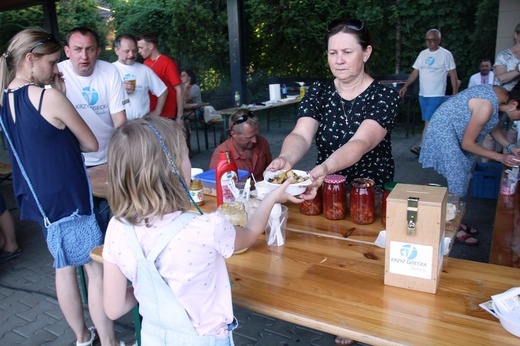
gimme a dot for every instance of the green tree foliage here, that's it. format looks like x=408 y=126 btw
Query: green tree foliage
x=71 y=13
x=284 y=38
x=15 y=21
x=193 y=32
x=74 y=13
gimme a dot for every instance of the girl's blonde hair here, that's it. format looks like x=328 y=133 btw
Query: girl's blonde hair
x=141 y=182
x=35 y=41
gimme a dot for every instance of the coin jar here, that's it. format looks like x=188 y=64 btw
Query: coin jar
x=387 y=188
x=196 y=191
x=235 y=212
x=362 y=201
x=313 y=206
x=334 y=197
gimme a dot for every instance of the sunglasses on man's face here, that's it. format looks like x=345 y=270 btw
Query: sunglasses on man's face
x=242 y=119
x=352 y=23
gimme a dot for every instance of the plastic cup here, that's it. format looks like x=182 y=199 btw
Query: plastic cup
x=262 y=189
x=132 y=82
x=282 y=220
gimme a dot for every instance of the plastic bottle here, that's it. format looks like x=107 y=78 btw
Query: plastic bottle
x=238 y=102
x=284 y=91
x=302 y=89
x=225 y=172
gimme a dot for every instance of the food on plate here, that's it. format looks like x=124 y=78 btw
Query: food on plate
x=282 y=176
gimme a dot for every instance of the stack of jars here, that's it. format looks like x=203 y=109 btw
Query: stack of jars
x=332 y=200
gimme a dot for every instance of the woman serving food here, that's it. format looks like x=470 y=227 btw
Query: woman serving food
x=351 y=117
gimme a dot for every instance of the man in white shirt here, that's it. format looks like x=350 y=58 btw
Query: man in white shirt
x=485 y=76
x=138 y=79
x=95 y=89
x=432 y=67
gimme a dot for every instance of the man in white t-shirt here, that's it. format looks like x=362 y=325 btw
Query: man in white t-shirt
x=138 y=79
x=485 y=76
x=432 y=67
x=94 y=87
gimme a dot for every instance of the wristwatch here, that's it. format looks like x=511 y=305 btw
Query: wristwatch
x=182 y=117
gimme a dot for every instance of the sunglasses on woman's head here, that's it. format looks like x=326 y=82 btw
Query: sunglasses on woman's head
x=352 y=23
x=42 y=42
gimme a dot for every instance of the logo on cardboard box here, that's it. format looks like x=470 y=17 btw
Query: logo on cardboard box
x=411 y=259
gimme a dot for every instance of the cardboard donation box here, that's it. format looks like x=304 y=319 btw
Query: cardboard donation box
x=415 y=227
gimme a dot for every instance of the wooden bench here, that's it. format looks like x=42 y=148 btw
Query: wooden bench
x=505 y=243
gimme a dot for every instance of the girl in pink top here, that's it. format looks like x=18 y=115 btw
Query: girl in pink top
x=174 y=259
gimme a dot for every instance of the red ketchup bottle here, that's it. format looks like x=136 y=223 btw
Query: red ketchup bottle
x=225 y=172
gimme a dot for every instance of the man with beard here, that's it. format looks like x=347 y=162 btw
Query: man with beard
x=138 y=79
x=250 y=151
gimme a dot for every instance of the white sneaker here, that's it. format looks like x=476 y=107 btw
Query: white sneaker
x=93 y=337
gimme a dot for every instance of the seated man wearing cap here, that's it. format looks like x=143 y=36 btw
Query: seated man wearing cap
x=250 y=151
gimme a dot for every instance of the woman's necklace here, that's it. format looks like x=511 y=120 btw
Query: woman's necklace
x=353 y=101
x=350 y=110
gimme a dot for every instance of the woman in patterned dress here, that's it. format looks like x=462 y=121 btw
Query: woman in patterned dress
x=351 y=117
x=507 y=74
x=458 y=126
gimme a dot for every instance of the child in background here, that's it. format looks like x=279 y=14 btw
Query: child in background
x=174 y=259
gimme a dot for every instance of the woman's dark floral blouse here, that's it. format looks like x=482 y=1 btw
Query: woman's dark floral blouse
x=339 y=120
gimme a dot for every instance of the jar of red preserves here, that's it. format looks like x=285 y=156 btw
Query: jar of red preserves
x=387 y=188
x=334 y=197
x=362 y=201
x=313 y=206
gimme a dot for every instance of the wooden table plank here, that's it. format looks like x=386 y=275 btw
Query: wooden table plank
x=336 y=285
x=505 y=243
x=98 y=177
x=333 y=286
x=316 y=224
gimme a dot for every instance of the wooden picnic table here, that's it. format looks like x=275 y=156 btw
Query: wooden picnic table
x=321 y=280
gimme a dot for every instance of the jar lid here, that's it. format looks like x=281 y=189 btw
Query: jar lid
x=389 y=185
x=362 y=182
x=335 y=179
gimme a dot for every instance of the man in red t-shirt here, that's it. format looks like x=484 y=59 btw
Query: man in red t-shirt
x=167 y=70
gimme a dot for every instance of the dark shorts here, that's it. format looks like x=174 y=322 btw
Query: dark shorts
x=3 y=207
x=429 y=105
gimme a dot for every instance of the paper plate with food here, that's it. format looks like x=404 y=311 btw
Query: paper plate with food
x=301 y=180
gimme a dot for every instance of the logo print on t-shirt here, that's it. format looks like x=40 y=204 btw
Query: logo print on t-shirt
x=91 y=96
x=430 y=61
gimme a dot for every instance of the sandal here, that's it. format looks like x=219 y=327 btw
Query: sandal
x=93 y=337
x=344 y=341
x=465 y=238
x=416 y=150
x=466 y=227
x=6 y=255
